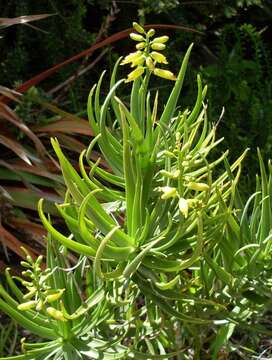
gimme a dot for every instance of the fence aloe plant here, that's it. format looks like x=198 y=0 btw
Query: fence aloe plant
x=163 y=240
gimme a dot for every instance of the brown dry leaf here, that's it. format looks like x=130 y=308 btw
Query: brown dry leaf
x=5 y=22
x=11 y=94
x=14 y=146
x=68 y=126
x=35 y=231
x=8 y=114
x=36 y=170
x=57 y=110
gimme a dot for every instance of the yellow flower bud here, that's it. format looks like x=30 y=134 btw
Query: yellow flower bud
x=27 y=305
x=149 y=63
x=27 y=284
x=56 y=314
x=168 y=153
x=30 y=294
x=161 y=39
x=158 y=46
x=39 y=305
x=133 y=75
x=176 y=174
x=198 y=186
x=171 y=175
x=25 y=264
x=131 y=57
x=166 y=74
x=168 y=192
x=55 y=296
x=141 y=45
x=150 y=33
x=138 y=61
x=39 y=259
x=178 y=136
x=138 y=28
x=22 y=341
x=136 y=37
x=159 y=57
x=183 y=207
x=194 y=203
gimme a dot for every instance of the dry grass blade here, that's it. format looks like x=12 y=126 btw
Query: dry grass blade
x=33 y=230
x=30 y=172
x=56 y=110
x=6 y=22
x=16 y=148
x=12 y=94
x=8 y=114
x=66 y=126
x=43 y=171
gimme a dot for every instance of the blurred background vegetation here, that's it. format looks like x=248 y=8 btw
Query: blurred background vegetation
x=232 y=53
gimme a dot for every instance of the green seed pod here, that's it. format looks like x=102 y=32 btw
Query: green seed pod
x=55 y=314
x=166 y=74
x=138 y=28
x=136 y=37
x=27 y=305
x=158 y=46
x=161 y=39
x=198 y=186
x=141 y=45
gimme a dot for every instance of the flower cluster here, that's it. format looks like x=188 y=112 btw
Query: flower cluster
x=39 y=294
x=184 y=205
x=147 y=55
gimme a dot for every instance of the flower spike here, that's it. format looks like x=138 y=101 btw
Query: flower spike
x=144 y=59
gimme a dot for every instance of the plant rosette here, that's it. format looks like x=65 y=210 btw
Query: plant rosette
x=150 y=233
